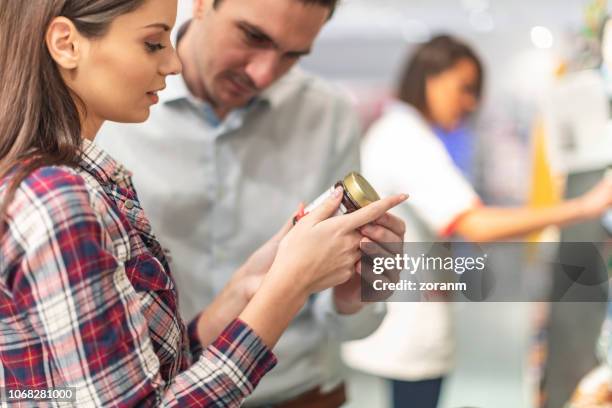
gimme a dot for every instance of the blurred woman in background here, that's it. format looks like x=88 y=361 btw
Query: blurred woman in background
x=441 y=86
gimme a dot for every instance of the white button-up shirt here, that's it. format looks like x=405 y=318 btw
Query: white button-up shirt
x=215 y=190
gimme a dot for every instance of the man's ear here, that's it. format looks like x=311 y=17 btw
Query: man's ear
x=63 y=43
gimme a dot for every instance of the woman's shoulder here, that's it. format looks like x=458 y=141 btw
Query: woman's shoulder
x=55 y=194
x=401 y=128
x=48 y=178
x=400 y=120
x=54 y=183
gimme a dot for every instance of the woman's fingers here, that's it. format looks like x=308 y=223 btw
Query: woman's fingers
x=382 y=235
x=391 y=223
x=284 y=230
x=326 y=209
x=374 y=250
x=371 y=212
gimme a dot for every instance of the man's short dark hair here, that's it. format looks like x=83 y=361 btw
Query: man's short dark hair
x=331 y=4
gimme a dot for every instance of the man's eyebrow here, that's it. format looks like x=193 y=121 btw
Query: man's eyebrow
x=256 y=31
x=265 y=37
x=298 y=54
x=163 y=26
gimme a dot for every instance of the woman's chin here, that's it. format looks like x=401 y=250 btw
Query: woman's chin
x=447 y=127
x=137 y=116
x=451 y=125
x=144 y=116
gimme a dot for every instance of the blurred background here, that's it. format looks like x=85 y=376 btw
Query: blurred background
x=543 y=65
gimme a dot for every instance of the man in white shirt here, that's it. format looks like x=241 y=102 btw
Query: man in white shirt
x=226 y=157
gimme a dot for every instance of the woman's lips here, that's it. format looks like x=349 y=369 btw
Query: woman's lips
x=153 y=96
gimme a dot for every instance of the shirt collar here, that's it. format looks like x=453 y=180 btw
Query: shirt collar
x=177 y=90
x=402 y=106
x=101 y=165
x=234 y=118
x=276 y=94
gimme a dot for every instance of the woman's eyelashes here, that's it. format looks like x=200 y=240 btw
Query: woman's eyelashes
x=153 y=47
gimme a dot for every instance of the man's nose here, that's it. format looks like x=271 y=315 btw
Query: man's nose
x=263 y=69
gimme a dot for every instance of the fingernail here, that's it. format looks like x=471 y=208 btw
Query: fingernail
x=337 y=192
x=404 y=197
x=300 y=209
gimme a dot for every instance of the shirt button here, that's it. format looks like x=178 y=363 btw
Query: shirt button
x=116 y=175
x=129 y=204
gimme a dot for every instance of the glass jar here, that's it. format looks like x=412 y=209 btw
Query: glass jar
x=357 y=193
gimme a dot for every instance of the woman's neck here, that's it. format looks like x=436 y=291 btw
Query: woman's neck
x=90 y=125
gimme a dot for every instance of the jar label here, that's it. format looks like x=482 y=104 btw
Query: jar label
x=320 y=200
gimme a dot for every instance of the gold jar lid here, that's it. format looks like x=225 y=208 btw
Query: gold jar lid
x=359 y=189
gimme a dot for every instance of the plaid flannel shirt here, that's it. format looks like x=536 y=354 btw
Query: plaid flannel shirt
x=87 y=301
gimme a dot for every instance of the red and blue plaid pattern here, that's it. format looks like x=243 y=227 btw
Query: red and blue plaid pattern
x=86 y=300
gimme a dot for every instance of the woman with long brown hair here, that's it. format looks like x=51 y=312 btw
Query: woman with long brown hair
x=87 y=302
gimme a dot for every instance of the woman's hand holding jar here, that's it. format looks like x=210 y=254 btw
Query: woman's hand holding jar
x=318 y=253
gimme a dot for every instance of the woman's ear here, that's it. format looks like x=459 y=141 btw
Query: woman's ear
x=63 y=42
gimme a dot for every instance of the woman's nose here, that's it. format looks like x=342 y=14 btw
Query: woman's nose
x=172 y=66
